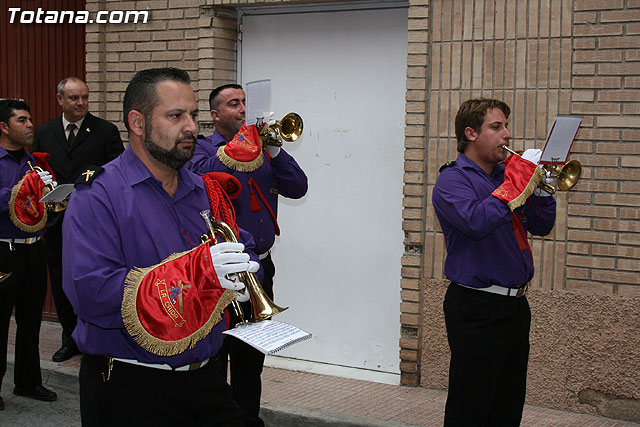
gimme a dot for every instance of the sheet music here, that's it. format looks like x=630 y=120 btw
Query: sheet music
x=59 y=193
x=268 y=336
x=560 y=140
x=258 y=100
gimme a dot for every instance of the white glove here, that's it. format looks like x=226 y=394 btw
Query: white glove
x=228 y=259
x=549 y=179
x=253 y=267
x=273 y=151
x=47 y=178
x=268 y=118
x=533 y=155
x=244 y=296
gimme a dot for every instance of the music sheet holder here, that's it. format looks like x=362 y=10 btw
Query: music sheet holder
x=560 y=139
x=59 y=193
x=258 y=101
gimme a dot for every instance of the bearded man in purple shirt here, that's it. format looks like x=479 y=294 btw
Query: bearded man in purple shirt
x=149 y=297
x=273 y=173
x=485 y=210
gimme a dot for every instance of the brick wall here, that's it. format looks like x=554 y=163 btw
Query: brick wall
x=414 y=265
x=603 y=254
x=575 y=57
x=171 y=37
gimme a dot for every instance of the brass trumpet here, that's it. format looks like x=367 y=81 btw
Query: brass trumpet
x=4 y=276
x=567 y=176
x=263 y=307
x=51 y=206
x=288 y=129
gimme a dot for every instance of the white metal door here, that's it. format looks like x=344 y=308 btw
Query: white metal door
x=338 y=258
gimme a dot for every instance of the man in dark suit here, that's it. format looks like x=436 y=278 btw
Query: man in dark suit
x=75 y=140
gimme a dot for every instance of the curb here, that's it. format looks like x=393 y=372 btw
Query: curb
x=276 y=415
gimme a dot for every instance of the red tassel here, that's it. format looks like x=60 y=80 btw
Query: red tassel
x=255 y=205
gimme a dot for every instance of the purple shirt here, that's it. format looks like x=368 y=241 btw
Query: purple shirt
x=282 y=175
x=11 y=172
x=482 y=249
x=125 y=219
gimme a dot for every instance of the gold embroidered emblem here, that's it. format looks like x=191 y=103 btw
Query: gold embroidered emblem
x=29 y=206
x=501 y=191
x=179 y=290
x=244 y=142
x=88 y=174
x=169 y=308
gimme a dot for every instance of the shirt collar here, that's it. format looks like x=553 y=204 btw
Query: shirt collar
x=464 y=162
x=137 y=172
x=66 y=123
x=5 y=152
x=218 y=139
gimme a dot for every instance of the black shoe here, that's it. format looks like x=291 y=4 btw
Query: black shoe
x=66 y=352
x=1 y=404
x=38 y=392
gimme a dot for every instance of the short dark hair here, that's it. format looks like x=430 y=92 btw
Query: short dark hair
x=7 y=107
x=141 y=92
x=471 y=114
x=213 y=102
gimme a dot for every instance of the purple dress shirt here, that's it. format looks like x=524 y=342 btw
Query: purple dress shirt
x=280 y=176
x=10 y=173
x=482 y=249
x=125 y=219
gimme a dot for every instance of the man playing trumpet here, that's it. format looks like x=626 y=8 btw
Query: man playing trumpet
x=265 y=174
x=485 y=210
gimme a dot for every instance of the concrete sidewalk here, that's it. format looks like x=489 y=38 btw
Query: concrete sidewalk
x=289 y=399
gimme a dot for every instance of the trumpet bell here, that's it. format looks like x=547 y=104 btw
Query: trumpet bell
x=4 y=276
x=291 y=127
x=263 y=308
x=569 y=175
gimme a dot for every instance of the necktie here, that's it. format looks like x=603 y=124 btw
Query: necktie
x=72 y=136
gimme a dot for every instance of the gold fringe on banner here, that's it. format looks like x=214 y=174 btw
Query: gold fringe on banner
x=12 y=210
x=537 y=176
x=237 y=165
x=143 y=337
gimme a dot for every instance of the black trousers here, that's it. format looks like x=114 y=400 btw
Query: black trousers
x=140 y=396
x=25 y=290
x=489 y=340
x=64 y=309
x=246 y=363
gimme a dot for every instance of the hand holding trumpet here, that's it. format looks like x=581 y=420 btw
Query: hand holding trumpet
x=566 y=177
x=47 y=179
x=229 y=259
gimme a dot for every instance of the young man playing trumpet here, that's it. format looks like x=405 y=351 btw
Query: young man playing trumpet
x=485 y=210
